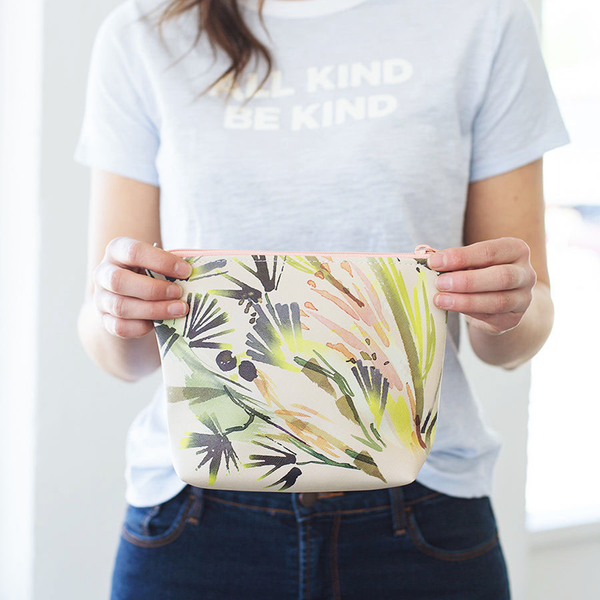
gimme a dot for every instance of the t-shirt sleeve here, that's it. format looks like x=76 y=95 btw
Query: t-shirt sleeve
x=117 y=133
x=518 y=118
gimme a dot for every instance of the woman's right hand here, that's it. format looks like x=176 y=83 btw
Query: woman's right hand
x=128 y=299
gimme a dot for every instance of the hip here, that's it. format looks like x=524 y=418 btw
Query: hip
x=408 y=540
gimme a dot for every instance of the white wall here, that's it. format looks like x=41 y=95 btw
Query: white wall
x=83 y=413
x=62 y=420
x=20 y=63
x=566 y=567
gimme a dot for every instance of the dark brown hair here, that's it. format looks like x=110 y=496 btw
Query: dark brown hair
x=226 y=29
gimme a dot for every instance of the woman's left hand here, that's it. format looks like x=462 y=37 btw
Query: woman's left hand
x=491 y=282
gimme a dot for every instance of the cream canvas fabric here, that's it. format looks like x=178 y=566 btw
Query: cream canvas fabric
x=298 y=372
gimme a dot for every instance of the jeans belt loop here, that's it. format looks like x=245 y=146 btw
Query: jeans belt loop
x=197 y=506
x=398 y=510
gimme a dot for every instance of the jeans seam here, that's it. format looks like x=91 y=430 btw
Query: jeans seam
x=265 y=508
x=306 y=578
x=309 y=515
x=416 y=500
x=147 y=517
x=440 y=554
x=335 y=577
x=299 y=527
x=196 y=509
x=349 y=511
x=343 y=511
x=176 y=530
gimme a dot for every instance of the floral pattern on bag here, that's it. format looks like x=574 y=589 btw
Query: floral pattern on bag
x=303 y=372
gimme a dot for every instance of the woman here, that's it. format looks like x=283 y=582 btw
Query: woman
x=341 y=125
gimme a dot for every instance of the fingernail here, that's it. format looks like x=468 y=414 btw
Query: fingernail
x=174 y=291
x=444 y=301
x=444 y=282
x=177 y=308
x=437 y=260
x=184 y=269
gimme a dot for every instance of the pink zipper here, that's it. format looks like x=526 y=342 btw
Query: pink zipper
x=420 y=251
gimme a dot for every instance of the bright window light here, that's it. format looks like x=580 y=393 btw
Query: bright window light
x=563 y=485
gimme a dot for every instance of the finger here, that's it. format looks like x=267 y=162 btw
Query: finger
x=126 y=328
x=480 y=254
x=129 y=252
x=485 y=302
x=496 y=277
x=480 y=316
x=494 y=324
x=127 y=283
x=125 y=307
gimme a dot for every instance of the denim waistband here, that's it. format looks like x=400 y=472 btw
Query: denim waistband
x=394 y=499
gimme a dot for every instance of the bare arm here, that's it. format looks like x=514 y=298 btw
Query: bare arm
x=507 y=304
x=114 y=323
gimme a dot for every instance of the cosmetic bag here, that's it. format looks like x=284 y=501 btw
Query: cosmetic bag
x=303 y=371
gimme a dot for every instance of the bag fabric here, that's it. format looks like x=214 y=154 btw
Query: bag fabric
x=298 y=372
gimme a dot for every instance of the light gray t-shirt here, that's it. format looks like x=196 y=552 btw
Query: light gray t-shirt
x=375 y=119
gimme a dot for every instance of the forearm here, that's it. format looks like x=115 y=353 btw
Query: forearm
x=129 y=359
x=516 y=346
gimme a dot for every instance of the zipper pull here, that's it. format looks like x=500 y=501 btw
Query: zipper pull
x=424 y=249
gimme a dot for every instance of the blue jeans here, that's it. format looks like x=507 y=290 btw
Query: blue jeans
x=404 y=542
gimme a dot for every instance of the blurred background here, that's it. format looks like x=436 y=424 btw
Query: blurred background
x=63 y=420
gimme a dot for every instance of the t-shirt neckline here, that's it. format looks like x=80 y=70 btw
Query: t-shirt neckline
x=298 y=9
